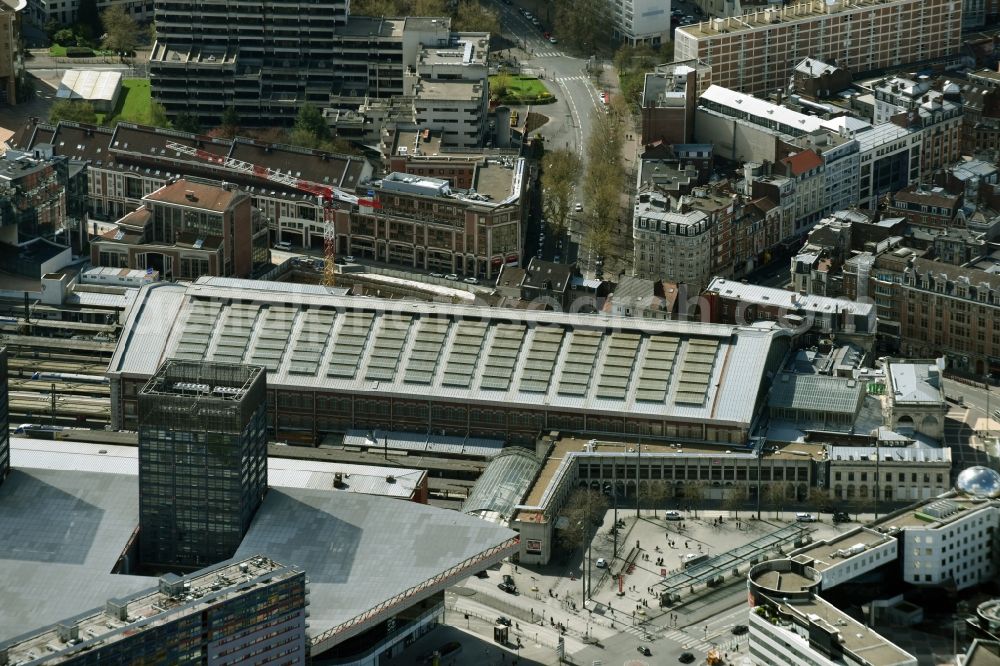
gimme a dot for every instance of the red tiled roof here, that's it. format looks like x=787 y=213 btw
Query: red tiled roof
x=800 y=163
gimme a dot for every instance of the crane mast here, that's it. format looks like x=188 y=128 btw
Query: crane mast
x=326 y=194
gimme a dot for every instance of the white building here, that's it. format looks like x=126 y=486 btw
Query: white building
x=950 y=542
x=642 y=21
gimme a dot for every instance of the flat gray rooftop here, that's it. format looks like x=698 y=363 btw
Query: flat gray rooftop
x=366 y=557
x=60 y=536
x=360 y=552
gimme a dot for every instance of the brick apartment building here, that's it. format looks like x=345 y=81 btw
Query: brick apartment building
x=669 y=97
x=931 y=209
x=755 y=53
x=186 y=230
x=926 y=308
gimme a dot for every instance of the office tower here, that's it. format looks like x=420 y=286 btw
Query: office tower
x=202 y=460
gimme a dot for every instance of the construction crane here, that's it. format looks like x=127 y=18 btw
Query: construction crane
x=327 y=195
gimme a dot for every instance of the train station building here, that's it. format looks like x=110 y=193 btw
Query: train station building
x=336 y=363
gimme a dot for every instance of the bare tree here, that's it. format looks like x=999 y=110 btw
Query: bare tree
x=736 y=499
x=581 y=504
x=560 y=170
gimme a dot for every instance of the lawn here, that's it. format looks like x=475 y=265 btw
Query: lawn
x=522 y=89
x=135 y=100
x=57 y=51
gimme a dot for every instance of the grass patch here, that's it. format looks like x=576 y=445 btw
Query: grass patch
x=57 y=51
x=522 y=89
x=135 y=100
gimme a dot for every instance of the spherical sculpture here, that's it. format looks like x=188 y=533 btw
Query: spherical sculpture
x=979 y=482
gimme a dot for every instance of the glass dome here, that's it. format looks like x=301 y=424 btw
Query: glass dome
x=979 y=482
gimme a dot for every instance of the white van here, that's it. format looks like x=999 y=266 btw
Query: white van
x=283 y=245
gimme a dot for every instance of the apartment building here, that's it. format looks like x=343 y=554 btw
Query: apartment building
x=266 y=65
x=669 y=98
x=248 y=609
x=930 y=209
x=187 y=229
x=841 y=157
x=4 y=417
x=808 y=172
x=929 y=308
x=641 y=22
x=681 y=239
x=755 y=53
x=937 y=112
x=981 y=118
x=11 y=61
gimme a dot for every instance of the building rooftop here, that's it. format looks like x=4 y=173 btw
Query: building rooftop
x=816 y=393
x=857 y=639
x=789 y=300
x=63 y=530
x=93 y=85
x=759 y=111
x=833 y=552
x=912 y=382
x=173 y=598
x=877 y=136
x=814 y=67
x=903 y=454
x=603 y=365
x=789 y=14
x=192 y=194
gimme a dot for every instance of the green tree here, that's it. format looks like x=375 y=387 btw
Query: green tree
x=157 y=116
x=471 y=16
x=64 y=37
x=186 y=122
x=230 y=124
x=75 y=111
x=575 y=528
x=121 y=33
x=583 y=24
x=310 y=121
x=560 y=170
x=500 y=84
x=736 y=499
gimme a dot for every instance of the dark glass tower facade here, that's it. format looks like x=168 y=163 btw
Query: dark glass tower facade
x=202 y=461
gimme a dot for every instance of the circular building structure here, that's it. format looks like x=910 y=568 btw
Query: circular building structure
x=981 y=482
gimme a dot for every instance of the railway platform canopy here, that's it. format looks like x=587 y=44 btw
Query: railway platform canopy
x=457 y=369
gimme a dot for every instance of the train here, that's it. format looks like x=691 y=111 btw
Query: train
x=70 y=377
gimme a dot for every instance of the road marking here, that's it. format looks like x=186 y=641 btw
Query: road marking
x=581 y=77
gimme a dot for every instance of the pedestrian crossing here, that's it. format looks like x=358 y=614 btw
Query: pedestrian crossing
x=687 y=641
x=547 y=54
x=581 y=77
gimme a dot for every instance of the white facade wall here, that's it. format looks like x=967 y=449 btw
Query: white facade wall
x=772 y=645
x=642 y=21
x=962 y=550
x=848 y=568
x=843 y=176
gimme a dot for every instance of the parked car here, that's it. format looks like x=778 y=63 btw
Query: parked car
x=579 y=206
x=739 y=629
x=509 y=589
x=672 y=515
x=437 y=275
x=505 y=621
x=686 y=658
x=841 y=517
x=535 y=21
x=470 y=280
x=482 y=574
x=805 y=518
x=644 y=651
x=349 y=258
x=283 y=245
x=451 y=276
x=508 y=579
x=601 y=563
x=553 y=40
